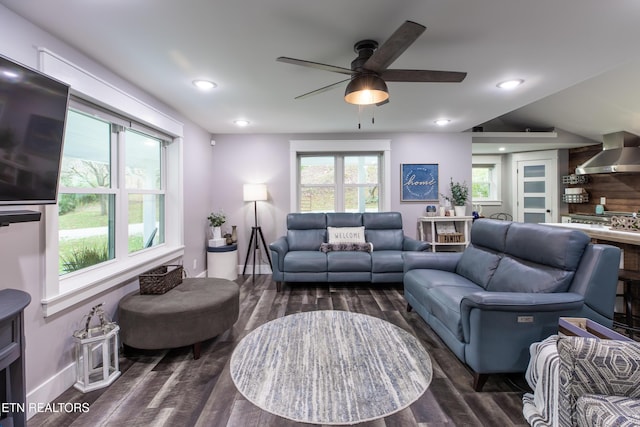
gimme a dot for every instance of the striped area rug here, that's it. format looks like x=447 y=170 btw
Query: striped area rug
x=330 y=367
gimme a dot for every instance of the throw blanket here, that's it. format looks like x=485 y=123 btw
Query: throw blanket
x=360 y=247
x=541 y=408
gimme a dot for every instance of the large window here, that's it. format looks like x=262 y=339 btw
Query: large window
x=337 y=182
x=120 y=202
x=111 y=190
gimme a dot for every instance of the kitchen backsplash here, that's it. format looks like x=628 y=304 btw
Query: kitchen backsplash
x=622 y=190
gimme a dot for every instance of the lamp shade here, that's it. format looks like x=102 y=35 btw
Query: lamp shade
x=254 y=192
x=366 y=89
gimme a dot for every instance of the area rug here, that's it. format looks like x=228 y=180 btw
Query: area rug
x=330 y=367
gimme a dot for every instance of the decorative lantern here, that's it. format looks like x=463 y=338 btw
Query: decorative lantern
x=97 y=363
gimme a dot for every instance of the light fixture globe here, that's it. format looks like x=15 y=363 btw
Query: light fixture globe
x=366 y=89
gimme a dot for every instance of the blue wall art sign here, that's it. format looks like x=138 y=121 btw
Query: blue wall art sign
x=419 y=182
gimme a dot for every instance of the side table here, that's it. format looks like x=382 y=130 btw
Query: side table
x=12 y=378
x=222 y=262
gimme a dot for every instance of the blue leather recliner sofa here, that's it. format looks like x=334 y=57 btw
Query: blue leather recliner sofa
x=297 y=256
x=508 y=289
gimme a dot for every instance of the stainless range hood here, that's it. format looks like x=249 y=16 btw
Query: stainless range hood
x=621 y=153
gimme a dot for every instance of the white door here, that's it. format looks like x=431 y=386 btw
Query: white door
x=535 y=197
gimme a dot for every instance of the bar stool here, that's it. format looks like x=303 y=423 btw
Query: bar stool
x=630 y=278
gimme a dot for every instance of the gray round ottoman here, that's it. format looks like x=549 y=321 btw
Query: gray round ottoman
x=194 y=311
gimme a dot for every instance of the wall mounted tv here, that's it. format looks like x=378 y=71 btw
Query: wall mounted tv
x=33 y=111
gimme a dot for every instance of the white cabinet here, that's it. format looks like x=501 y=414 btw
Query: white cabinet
x=445 y=233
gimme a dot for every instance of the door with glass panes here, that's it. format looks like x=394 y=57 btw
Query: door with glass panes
x=534 y=196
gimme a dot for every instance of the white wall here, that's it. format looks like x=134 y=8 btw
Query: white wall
x=242 y=159
x=49 y=350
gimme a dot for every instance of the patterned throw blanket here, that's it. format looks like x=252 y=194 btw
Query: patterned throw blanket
x=359 y=247
x=541 y=408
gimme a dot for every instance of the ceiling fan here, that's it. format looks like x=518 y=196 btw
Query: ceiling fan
x=369 y=72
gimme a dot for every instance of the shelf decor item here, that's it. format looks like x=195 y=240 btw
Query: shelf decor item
x=96 y=369
x=216 y=219
x=160 y=279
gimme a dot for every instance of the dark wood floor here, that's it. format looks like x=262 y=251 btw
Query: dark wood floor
x=169 y=388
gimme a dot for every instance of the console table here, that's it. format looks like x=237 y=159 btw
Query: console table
x=445 y=232
x=12 y=379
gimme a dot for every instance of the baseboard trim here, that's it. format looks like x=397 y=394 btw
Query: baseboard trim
x=260 y=269
x=51 y=389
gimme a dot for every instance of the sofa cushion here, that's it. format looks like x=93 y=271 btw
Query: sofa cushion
x=552 y=246
x=518 y=275
x=344 y=219
x=478 y=265
x=490 y=233
x=305 y=261
x=348 y=261
x=384 y=240
x=382 y=220
x=444 y=302
x=306 y=221
x=421 y=282
x=305 y=240
x=386 y=261
x=345 y=234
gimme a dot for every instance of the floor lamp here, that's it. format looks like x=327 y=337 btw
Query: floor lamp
x=255 y=193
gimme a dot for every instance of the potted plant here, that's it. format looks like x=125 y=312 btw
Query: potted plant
x=459 y=196
x=216 y=219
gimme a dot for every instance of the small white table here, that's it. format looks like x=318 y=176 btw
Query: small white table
x=431 y=229
x=222 y=262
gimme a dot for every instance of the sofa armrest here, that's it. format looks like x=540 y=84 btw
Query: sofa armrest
x=614 y=362
x=410 y=244
x=526 y=302
x=279 y=248
x=446 y=261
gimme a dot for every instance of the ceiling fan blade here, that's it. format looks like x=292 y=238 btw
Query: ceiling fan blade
x=423 y=76
x=322 y=89
x=316 y=65
x=391 y=49
x=381 y=103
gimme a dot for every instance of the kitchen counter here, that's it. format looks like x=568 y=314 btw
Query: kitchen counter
x=600 y=232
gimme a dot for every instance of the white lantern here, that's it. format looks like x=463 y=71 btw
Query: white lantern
x=97 y=363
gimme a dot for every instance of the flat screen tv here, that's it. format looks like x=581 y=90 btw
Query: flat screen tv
x=33 y=111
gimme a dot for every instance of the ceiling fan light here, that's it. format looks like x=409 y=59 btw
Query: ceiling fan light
x=366 y=89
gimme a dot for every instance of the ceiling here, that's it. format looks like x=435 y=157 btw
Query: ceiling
x=578 y=59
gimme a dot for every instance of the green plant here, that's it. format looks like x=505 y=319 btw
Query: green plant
x=459 y=193
x=84 y=257
x=216 y=219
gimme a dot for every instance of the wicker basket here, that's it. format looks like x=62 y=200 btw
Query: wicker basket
x=161 y=279
x=451 y=238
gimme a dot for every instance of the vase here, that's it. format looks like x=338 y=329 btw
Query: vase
x=460 y=210
x=216 y=233
x=234 y=234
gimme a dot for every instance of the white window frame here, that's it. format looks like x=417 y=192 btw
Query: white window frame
x=495 y=163
x=62 y=292
x=319 y=147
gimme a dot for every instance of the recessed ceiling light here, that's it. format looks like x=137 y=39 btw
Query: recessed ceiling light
x=501 y=148
x=204 y=84
x=241 y=123
x=442 y=122
x=510 y=84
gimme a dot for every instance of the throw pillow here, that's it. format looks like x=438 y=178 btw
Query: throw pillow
x=359 y=247
x=345 y=234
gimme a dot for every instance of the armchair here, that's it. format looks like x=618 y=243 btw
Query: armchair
x=580 y=381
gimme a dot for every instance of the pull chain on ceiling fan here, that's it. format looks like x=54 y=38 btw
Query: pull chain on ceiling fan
x=369 y=71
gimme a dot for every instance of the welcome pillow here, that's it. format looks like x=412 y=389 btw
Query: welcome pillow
x=345 y=234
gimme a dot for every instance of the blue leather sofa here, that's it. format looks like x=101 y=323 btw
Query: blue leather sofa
x=297 y=256
x=508 y=289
